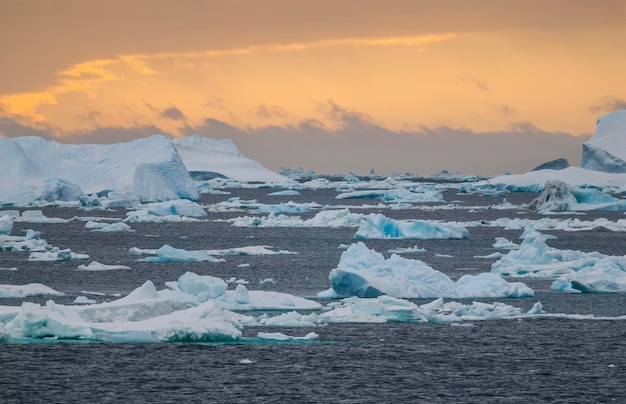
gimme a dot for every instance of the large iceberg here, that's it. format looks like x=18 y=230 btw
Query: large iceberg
x=606 y=151
x=207 y=158
x=362 y=272
x=149 y=169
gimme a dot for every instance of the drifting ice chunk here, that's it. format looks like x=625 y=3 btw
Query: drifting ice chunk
x=378 y=226
x=363 y=272
x=96 y=266
x=388 y=309
x=6 y=224
x=170 y=254
x=605 y=275
x=113 y=228
x=61 y=255
x=32 y=289
x=557 y=196
x=536 y=258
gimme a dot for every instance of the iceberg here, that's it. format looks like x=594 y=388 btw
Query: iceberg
x=96 y=266
x=423 y=194
x=557 y=196
x=170 y=254
x=606 y=275
x=149 y=169
x=31 y=289
x=362 y=272
x=6 y=224
x=606 y=150
x=535 y=258
x=325 y=218
x=385 y=309
x=378 y=226
x=58 y=255
x=207 y=158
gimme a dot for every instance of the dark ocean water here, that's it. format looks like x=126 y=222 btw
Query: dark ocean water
x=540 y=360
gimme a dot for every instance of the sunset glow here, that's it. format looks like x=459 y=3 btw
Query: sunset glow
x=387 y=66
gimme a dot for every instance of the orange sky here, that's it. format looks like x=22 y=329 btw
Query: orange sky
x=72 y=69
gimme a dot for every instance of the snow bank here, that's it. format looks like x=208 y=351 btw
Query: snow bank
x=606 y=150
x=363 y=272
x=220 y=156
x=378 y=226
x=148 y=169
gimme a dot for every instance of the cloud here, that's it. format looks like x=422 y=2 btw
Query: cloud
x=270 y=111
x=479 y=84
x=173 y=113
x=11 y=127
x=503 y=108
x=360 y=145
x=608 y=104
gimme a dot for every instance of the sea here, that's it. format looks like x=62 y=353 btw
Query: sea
x=556 y=360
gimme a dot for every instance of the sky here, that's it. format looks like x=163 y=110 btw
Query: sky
x=470 y=86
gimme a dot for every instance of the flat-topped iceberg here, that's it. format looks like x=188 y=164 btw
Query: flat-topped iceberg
x=363 y=272
x=206 y=158
x=149 y=169
x=606 y=150
x=379 y=226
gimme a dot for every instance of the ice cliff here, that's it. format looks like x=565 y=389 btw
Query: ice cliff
x=206 y=158
x=606 y=151
x=148 y=169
